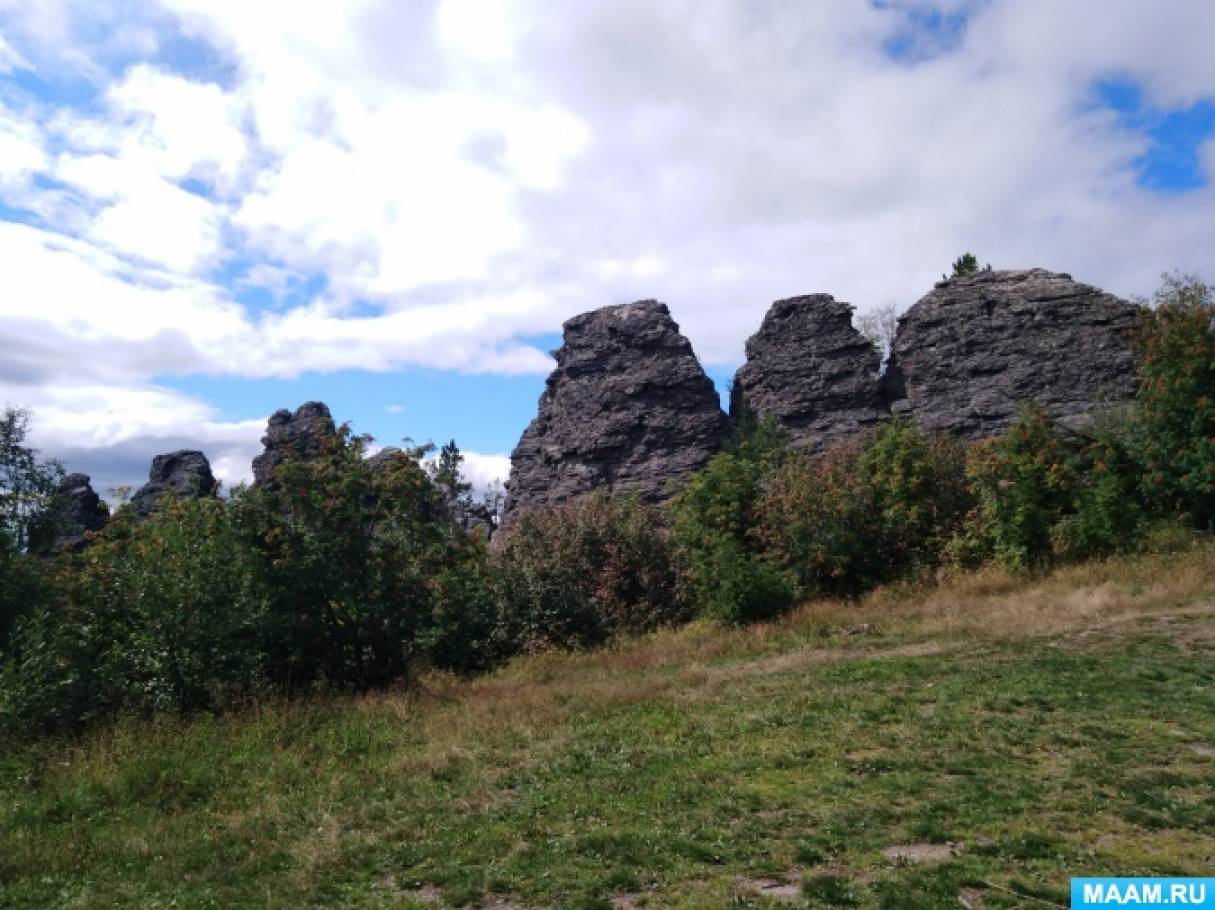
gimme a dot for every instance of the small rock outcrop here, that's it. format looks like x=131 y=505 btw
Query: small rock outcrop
x=808 y=368
x=971 y=350
x=302 y=433
x=74 y=509
x=186 y=472
x=628 y=407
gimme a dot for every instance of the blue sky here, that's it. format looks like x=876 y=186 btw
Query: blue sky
x=210 y=209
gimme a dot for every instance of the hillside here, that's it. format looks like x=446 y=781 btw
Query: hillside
x=975 y=745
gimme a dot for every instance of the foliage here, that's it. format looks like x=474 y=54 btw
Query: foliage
x=24 y=587
x=865 y=511
x=1176 y=344
x=712 y=522
x=1105 y=515
x=965 y=265
x=879 y=327
x=348 y=550
x=160 y=616
x=820 y=522
x=579 y=573
x=465 y=631
x=445 y=472
x=26 y=481
x=919 y=483
x=1023 y=484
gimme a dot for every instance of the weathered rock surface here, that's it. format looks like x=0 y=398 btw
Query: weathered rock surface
x=74 y=509
x=973 y=348
x=302 y=433
x=627 y=407
x=808 y=368
x=186 y=472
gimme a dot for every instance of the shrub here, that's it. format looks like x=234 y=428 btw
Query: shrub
x=1176 y=344
x=919 y=484
x=1023 y=482
x=865 y=511
x=712 y=521
x=576 y=574
x=162 y=616
x=464 y=630
x=23 y=588
x=1105 y=512
x=820 y=523
x=348 y=550
x=27 y=482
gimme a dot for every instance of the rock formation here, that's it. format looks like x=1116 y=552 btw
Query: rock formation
x=186 y=472
x=808 y=368
x=74 y=509
x=302 y=433
x=627 y=407
x=971 y=350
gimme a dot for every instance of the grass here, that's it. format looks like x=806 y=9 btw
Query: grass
x=972 y=745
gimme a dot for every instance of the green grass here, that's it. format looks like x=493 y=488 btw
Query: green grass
x=1045 y=728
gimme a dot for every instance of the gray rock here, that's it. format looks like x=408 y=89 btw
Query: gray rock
x=808 y=368
x=74 y=509
x=303 y=433
x=628 y=407
x=971 y=350
x=186 y=472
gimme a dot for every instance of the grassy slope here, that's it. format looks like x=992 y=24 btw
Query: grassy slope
x=1046 y=728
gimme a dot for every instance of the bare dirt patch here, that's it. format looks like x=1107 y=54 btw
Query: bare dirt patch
x=922 y=853
x=788 y=889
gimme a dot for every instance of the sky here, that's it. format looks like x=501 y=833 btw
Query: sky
x=211 y=209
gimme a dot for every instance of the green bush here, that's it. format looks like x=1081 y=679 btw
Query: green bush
x=1105 y=513
x=918 y=481
x=162 y=616
x=820 y=523
x=865 y=511
x=713 y=519
x=348 y=550
x=1176 y=344
x=1023 y=482
x=23 y=588
x=577 y=574
x=465 y=631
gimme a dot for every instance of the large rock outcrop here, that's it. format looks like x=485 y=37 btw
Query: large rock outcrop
x=303 y=434
x=628 y=407
x=75 y=508
x=971 y=350
x=808 y=368
x=186 y=473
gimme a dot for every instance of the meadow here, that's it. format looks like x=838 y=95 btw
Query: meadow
x=972 y=743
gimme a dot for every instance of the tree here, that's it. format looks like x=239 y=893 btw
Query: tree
x=445 y=472
x=879 y=327
x=26 y=482
x=965 y=265
x=349 y=549
x=1176 y=344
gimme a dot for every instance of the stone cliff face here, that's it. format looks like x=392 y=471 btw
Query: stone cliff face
x=74 y=509
x=302 y=433
x=627 y=407
x=973 y=348
x=808 y=368
x=186 y=472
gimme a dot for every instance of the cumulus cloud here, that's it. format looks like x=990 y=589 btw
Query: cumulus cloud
x=463 y=174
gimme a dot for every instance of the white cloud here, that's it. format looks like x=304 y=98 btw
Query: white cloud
x=465 y=173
